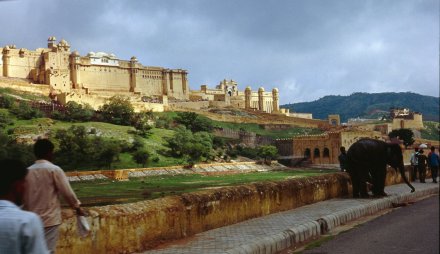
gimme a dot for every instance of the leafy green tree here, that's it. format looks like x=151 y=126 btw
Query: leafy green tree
x=180 y=141
x=406 y=135
x=141 y=157
x=6 y=101
x=163 y=122
x=78 y=150
x=268 y=153
x=194 y=147
x=5 y=119
x=13 y=150
x=141 y=122
x=194 y=122
x=78 y=112
x=118 y=110
x=107 y=153
x=137 y=144
x=24 y=111
x=201 y=147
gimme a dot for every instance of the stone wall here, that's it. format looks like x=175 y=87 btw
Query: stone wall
x=23 y=85
x=196 y=105
x=143 y=225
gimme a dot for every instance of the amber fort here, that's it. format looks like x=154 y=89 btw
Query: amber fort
x=95 y=77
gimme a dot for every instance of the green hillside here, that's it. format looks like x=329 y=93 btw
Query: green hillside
x=366 y=105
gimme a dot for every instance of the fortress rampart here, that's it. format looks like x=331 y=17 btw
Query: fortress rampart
x=67 y=73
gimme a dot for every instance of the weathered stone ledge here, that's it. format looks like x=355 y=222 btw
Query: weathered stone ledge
x=143 y=225
x=213 y=168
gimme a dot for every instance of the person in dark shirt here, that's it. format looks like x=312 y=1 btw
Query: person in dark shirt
x=342 y=159
x=433 y=163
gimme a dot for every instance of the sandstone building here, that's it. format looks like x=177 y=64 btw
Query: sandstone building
x=95 y=77
x=324 y=148
x=405 y=118
x=227 y=94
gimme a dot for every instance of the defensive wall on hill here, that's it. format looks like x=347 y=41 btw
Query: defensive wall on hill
x=143 y=225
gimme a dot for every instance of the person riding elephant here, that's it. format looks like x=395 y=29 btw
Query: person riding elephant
x=367 y=161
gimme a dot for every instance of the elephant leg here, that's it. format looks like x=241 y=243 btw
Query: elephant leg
x=363 y=177
x=378 y=176
x=354 y=183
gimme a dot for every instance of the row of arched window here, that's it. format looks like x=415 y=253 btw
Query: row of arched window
x=317 y=153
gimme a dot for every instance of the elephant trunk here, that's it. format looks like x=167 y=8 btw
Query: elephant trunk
x=402 y=173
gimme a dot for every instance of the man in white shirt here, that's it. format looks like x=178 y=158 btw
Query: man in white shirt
x=20 y=231
x=44 y=183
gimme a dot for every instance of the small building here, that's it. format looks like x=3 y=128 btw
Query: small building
x=324 y=148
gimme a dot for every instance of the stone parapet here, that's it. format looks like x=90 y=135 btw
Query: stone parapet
x=143 y=225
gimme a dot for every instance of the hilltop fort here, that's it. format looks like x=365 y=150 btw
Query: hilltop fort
x=95 y=77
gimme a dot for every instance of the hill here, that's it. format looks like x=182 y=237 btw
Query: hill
x=366 y=105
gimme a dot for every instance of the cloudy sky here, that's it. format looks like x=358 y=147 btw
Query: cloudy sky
x=306 y=48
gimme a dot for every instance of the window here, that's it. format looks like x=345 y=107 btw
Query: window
x=307 y=153
x=326 y=152
x=316 y=152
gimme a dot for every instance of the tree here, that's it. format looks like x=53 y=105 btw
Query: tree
x=78 y=112
x=6 y=101
x=194 y=147
x=24 y=111
x=406 y=135
x=194 y=122
x=163 y=122
x=13 y=150
x=141 y=157
x=141 y=122
x=107 y=153
x=268 y=153
x=118 y=110
x=5 y=119
x=180 y=141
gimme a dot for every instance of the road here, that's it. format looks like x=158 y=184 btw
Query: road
x=408 y=229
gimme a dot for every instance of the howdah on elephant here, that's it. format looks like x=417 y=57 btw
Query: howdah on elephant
x=367 y=160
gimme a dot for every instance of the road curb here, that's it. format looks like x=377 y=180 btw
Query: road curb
x=313 y=229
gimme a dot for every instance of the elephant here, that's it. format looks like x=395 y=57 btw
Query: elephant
x=367 y=161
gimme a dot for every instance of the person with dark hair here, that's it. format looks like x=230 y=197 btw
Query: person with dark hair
x=20 y=231
x=433 y=163
x=414 y=164
x=342 y=159
x=422 y=161
x=45 y=182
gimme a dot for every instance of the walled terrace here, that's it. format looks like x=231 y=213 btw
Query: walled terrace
x=143 y=225
x=263 y=119
x=205 y=169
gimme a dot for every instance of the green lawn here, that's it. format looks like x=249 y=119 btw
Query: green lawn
x=102 y=192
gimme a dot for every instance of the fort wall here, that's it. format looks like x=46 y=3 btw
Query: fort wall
x=143 y=225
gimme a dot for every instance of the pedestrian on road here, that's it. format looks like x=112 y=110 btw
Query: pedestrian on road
x=433 y=163
x=20 y=231
x=342 y=159
x=414 y=164
x=422 y=162
x=45 y=182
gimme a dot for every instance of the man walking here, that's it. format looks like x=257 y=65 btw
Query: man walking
x=20 y=231
x=45 y=182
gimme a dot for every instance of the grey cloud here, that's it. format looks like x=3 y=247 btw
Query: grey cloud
x=306 y=48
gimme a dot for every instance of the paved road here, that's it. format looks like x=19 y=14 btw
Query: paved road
x=409 y=229
x=278 y=231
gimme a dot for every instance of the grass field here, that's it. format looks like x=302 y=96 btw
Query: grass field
x=103 y=192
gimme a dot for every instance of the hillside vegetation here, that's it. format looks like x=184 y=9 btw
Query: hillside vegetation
x=366 y=105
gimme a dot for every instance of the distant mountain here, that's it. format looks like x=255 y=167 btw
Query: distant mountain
x=366 y=105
